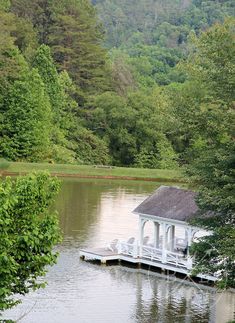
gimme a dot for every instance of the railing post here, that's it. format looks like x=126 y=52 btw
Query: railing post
x=164 y=255
x=189 y=263
x=119 y=247
x=141 y=234
x=135 y=250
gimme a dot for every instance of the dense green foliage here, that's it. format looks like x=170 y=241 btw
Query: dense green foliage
x=26 y=120
x=40 y=119
x=216 y=253
x=213 y=150
x=135 y=128
x=135 y=107
x=28 y=232
x=153 y=34
x=74 y=35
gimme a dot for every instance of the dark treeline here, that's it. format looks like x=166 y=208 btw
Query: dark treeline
x=65 y=98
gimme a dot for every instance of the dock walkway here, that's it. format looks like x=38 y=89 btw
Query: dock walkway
x=177 y=265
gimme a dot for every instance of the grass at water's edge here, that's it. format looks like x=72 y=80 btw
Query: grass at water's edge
x=86 y=171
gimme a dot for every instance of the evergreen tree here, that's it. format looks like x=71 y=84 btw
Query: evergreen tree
x=10 y=62
x=39 y=12
x=75 y=37
x=26 y=120
x=76 y=41
x=58 y=100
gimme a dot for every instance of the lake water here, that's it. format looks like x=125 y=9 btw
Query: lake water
x=92 y=213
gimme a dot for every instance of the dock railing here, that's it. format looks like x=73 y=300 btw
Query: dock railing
x=176 y=259
x=128 y=249
x=155 y=254
x=151 y=253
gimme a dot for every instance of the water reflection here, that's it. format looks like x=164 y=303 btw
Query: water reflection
x=91 y=214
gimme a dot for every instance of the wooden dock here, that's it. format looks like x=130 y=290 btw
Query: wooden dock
x=101 y=254
x=104 y=255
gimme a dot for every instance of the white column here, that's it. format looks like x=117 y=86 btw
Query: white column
x=189 y=237
x=191 y=233
x=164 y=242
x=189 y=242
x=141 y=234
x=156 y=234
x=172 y=238
x=186 y=234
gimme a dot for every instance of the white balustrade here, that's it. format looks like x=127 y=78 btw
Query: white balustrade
x=155 y=254
x=151 y=253
x=176 y=259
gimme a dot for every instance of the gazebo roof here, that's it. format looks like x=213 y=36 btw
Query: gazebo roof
x=170 y=203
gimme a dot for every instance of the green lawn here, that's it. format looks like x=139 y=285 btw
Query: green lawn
x=94 y=171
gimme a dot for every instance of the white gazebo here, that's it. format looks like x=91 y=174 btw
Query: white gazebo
x=169 y=209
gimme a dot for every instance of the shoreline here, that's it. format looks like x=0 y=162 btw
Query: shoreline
x=112 y=177
x=94 y=171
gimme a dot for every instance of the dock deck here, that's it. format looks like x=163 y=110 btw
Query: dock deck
x=102 y=254
x=105 y=255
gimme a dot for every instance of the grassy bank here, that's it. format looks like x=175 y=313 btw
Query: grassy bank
x=94 y=171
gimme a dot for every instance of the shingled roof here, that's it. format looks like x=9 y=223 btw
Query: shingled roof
x=171 y=203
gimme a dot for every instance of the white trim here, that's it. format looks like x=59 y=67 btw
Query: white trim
x=166 y=220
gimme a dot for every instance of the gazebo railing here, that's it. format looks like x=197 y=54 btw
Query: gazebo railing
x=128 y=249
x=164 y=256
x=154 y=254
x=151 y=253
x=176 y=259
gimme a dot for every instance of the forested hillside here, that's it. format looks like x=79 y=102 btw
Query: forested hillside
x=124 y=93
x=154 y=34
x=151 y=21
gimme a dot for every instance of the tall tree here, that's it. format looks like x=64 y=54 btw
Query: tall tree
x=26 y=120
x=39 y=12
x=72 y=31
x=213 y=64
x=10 y=61
x=213 y=149
x=71 y=141
x=56 y=92
x=76 y=41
